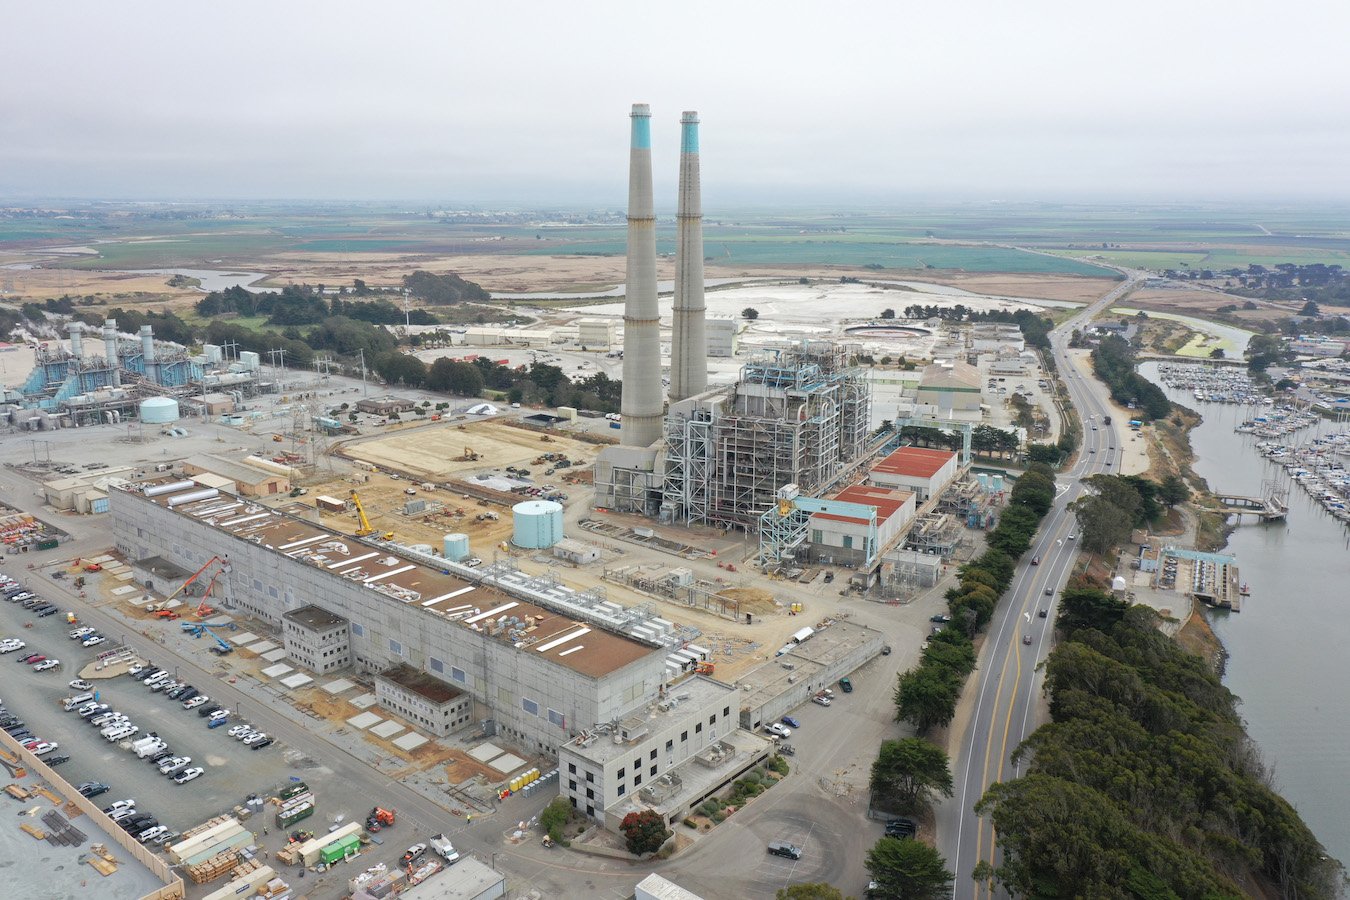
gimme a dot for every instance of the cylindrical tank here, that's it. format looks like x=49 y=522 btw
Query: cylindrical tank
x=457 y=547
x=538 y=524
x=998 y=483
x=983 y=479
x=170 y=488
x=76 y=330
x=159 y=410
x=180 y=499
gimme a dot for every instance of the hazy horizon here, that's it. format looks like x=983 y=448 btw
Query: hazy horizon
x=526 y=105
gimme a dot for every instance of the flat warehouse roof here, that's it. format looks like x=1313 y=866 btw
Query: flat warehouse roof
x=559 y=638
x=916 y=462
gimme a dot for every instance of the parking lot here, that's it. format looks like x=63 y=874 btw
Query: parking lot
x=233 y=770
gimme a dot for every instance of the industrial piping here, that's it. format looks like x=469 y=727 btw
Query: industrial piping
x=689 y=341
x=641 y=403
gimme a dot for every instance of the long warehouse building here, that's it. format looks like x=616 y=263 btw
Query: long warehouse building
x=540 y=674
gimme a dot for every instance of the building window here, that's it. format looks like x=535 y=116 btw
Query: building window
x=670 y=745
x=457 y=674
x=637 y=779
x=622 y=772
x=395 y=647
x=848 y=542
x=698 y=728
x=529 y=706
x=621 y=790
x=653 y=756
x=653 y=771
x=571 y=768
x=358 y=629
x=684 y=736
x=816 y=536
x=557 y=718
x=637 y=764
x=712 y=720
x=590 y=777
x=436 y=665
x=590 y=794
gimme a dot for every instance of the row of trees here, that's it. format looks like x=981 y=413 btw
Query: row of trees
x=300 y=304
x=926 y=696
x=1035 y=328
x=1113 y=362
x=1144 y=782
x=984 y=439
x=1118 y=504
x=539 y=383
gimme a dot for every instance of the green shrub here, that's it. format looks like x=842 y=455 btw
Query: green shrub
x=779 y=765
x=690 y=823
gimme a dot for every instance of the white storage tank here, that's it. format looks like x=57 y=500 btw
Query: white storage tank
x=457 y=547
x=159 y=410
x=538 y=524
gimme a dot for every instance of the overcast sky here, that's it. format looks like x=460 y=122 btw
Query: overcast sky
x=802 y=102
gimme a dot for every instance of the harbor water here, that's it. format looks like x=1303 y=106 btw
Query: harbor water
x=1287 y=657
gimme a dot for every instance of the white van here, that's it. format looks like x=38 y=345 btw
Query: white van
x=77 y=700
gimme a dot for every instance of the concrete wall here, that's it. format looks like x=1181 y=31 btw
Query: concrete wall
x=264 y=583
x=771 y=709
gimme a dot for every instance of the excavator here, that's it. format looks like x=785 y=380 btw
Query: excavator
x=202 y=609
x=365 y=528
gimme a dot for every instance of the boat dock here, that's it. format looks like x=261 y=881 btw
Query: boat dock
x=1211 y=578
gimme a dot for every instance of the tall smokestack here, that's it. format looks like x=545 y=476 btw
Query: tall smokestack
x=689 y=343
x=76 y=330
x=110 y=350
x=641 y=402
x=148 y=353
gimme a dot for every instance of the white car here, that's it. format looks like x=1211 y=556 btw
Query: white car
x=80 y=633
x=195 y=701
x=188 y=774
x=247 y=732
x=165 y=686
x=779 y=729
x=254 y=737
x=47 y=664
x=239 y=731
x=80 y=684
x=135 y=670
x=820 y=700
x=11 y=645
x=45 y=747
x=119 y=804
x=175 y=763
x=118 y=815
x=93 y=640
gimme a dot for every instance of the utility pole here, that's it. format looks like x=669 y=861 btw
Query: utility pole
x=407 y=316
x=365 y=391
x=273 y=356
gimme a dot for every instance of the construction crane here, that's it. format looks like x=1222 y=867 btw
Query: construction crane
x=224 y=567
x=361 y=519
x=202 y=609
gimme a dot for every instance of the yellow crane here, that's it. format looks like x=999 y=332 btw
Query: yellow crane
x=365 y=526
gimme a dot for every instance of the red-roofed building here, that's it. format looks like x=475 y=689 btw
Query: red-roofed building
x=918 y=469
x=842 y=539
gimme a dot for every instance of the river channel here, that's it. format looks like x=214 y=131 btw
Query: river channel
x=1289 y=648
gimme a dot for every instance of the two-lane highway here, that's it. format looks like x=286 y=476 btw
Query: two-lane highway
x=1007 y=680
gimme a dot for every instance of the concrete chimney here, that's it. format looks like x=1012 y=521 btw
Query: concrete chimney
x=641 y=402
x=689 y=342
x=76 y=330
x=148 y=353
x=110 y=350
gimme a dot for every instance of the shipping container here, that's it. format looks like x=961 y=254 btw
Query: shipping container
x=288 y=817
x=292 y=790
x=348 y=846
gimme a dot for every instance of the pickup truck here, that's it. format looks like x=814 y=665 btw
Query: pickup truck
x=441 y=844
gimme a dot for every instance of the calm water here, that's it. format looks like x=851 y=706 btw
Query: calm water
x=1288 y=658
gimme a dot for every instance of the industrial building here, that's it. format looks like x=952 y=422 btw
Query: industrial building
x=542 y=662
x=723 y=335
x=924 y=471
x=645 y=759
x=949 y=391
x=596 y=334
x=383 y=406
x=136 y=376
x=247 y=477
x=424 y=699
x=839 y=539
x=317 y=639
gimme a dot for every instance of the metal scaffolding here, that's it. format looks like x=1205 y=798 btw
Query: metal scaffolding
x=796 y=416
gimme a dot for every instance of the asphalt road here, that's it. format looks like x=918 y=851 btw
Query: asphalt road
x=1007 y=699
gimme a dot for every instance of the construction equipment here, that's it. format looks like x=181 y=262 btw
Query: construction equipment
x=469 y=455
x=224 y=565
x=704 y=668
x=379 y=818
x=364 y=523
x=166 y=614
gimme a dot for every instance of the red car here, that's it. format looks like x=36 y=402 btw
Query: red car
x=34 y=660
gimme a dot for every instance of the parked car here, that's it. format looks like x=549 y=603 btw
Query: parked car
x=93 y=709
x=44 y=611
x=92 y=788
x=778 y=729
x=785 y=849
x=80 y=684
x=94 y=640
x=265 y=742
x=239 y=730
x=160 y=756
x=254 y=738
x=901 y=828
x=45 y=747
x=195 y=701
x=188 y=774
x=57 y=760
x=119 y=804
x=820 y=700
x=47 y=664
x=940 y=617
x=846 y=685
x=791 y=722
x=205 y=711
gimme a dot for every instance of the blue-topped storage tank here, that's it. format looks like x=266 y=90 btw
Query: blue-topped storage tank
x=538 y=524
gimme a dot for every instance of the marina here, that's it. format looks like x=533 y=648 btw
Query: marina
x=1318 y=467
x=1213 y=383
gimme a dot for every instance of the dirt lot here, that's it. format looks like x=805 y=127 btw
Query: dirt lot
x=1197 y=303
x=433 y=453
x=1044 y=287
